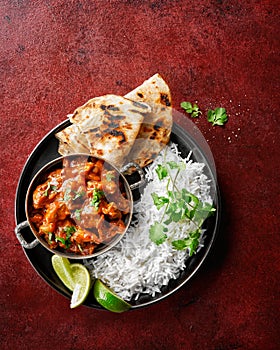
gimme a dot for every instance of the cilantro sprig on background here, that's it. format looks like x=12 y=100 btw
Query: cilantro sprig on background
x=179 y=206
x=217 y=116
x=191 y=109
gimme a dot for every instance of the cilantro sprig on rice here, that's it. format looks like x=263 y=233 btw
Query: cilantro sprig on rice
x=179 y=206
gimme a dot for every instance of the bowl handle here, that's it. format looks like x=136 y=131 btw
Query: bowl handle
x=140 y=171
x=22 y=241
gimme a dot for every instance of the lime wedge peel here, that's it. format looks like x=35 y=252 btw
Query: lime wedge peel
x=62 y=267
x=82 y=282
x=75 y=277
x=108 y=299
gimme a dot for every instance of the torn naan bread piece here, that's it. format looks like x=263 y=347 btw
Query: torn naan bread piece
x=107 y=126
x=156 y=128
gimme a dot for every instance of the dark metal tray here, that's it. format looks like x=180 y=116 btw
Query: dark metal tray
x=40 y=258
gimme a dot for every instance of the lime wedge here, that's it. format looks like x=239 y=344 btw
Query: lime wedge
x=62 y=267
x=108 y=299
x=82 y=282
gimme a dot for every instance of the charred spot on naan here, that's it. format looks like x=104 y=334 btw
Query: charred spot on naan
x=106 y=135
x=99 y=152
x=119 y=135
x=165 y=100
x=113 y=125
x=109 y=108
x=155 y=132
x=159 y=134
x=94 y=130
x=139 y=104
x=113 y=117
x=115 y=108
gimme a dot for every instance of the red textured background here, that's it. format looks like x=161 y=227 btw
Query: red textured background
x=55 y=55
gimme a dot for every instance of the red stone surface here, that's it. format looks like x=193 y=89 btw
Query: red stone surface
x=55 y=55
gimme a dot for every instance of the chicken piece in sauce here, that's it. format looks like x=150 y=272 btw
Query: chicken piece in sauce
x=46 y=192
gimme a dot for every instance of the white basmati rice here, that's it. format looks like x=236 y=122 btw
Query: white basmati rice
x=137 y=265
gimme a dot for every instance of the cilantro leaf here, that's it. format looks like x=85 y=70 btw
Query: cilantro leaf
x=47 y=189
x=69 y=230
x=175 y=212
x=159 y=201
x=217 y=116
x=180 y=244
x=193 y=110
x=194 y=241
x=67 y=195
x=189 y=197
x=78 y=194
x=110 y=176
x=161 y=171
x=157 y=233
x=77 y=214
x=182 y=205
x=176 y=165
x=60 y=239
x=203 y=211
x=191 y=242
x=53 y=188
x=96 y=197
x=173 y=165
x=66 y=241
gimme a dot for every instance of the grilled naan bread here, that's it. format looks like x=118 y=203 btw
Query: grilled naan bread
x=105 y=127
x=155 y=130
x=122 y=129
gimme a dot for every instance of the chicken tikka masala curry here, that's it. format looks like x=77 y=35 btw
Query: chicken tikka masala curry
x=80 y=206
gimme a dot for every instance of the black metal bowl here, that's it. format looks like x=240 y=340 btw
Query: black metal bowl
x=62 y=163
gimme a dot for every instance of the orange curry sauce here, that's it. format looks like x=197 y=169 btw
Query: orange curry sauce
x=80 y=206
